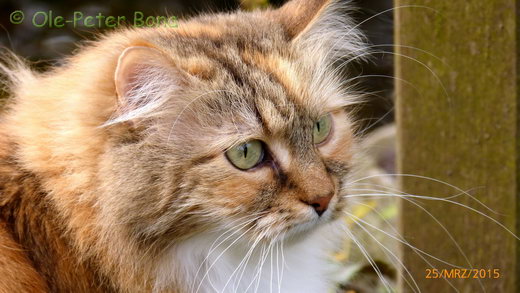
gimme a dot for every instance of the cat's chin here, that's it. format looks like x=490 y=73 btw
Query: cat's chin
x=306 y=228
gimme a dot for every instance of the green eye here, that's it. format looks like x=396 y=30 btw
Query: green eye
x=247 y=155
x=322 y=129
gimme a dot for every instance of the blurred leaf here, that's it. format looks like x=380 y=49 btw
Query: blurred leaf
x=390 y=212
x=361 y=210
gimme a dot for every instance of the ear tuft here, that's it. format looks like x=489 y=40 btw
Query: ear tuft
x=321 y=26
x=298 y=15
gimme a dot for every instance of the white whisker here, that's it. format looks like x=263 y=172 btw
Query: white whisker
x=416 y=289
x=370 y=260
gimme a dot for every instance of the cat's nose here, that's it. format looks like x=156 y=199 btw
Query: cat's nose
x=321 y=203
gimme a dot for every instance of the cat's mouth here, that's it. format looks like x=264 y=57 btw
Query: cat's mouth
x=314 y=219
x=311 y=221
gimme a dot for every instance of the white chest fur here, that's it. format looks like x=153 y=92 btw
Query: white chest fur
x=212 y=262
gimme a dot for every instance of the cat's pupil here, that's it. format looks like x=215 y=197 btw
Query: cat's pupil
x=244 y=149
x=318 y=126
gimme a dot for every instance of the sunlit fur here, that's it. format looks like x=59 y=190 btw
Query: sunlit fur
x=133 y=192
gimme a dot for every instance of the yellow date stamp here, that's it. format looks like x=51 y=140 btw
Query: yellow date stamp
x=456 y=273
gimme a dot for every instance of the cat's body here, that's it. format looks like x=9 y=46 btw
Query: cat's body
x=126 y=183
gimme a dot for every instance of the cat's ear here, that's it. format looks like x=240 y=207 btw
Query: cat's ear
x=297 y=16
x=134 y=68
x=144 y=77
x=321 y=25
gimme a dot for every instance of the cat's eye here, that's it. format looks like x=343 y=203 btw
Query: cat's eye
x=322 y=129
x=246 y=155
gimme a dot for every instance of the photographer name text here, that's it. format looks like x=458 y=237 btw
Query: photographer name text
x=48 y=19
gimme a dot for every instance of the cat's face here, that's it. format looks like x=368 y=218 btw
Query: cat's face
x=236 y=126
x=278 y=170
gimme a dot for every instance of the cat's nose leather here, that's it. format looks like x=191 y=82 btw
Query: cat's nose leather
x=321 y=203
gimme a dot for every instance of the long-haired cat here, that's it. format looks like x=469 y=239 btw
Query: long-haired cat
x=204 y=158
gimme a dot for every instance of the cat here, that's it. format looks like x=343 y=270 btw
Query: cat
x=205 y=158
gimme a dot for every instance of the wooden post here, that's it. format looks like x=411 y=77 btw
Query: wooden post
x=457 y=112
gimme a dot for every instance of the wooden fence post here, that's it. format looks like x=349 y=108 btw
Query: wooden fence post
x=457 y=110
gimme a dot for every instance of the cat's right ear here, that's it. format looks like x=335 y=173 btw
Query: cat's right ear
x=297 y=16
x=143 y=78
x=322 y=26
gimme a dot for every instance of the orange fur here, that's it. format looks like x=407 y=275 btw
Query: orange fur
x=92 y=204
x=18 y=273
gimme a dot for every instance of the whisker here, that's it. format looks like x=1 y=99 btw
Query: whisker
x=437 y=78
x=283 y=258
x=234 y=231
x=415 y=249
x=457 y=245
x=437 y=199
x=278 y=247
x=390 y=10
x=416 y=289
x=370 y=260
x=413 y=48
x=403 y=241
x=271 y=271
x=354 y=28
x=219 y=256
x=244 y=263
x=362 y=132
x=259 y=263
x=430 y=179
x=264 y=258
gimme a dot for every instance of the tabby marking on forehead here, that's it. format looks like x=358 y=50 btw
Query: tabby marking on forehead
x=280 y=68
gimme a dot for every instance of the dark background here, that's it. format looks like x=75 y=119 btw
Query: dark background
x=46 y=46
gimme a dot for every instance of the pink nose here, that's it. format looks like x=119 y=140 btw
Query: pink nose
x=321 y=203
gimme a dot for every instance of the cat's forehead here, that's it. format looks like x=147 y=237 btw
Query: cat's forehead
x=276 y=100
x=272 y=84
x=255 y=82
x=265 y=95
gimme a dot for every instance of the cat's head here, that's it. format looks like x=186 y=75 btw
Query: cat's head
x=233 y=122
